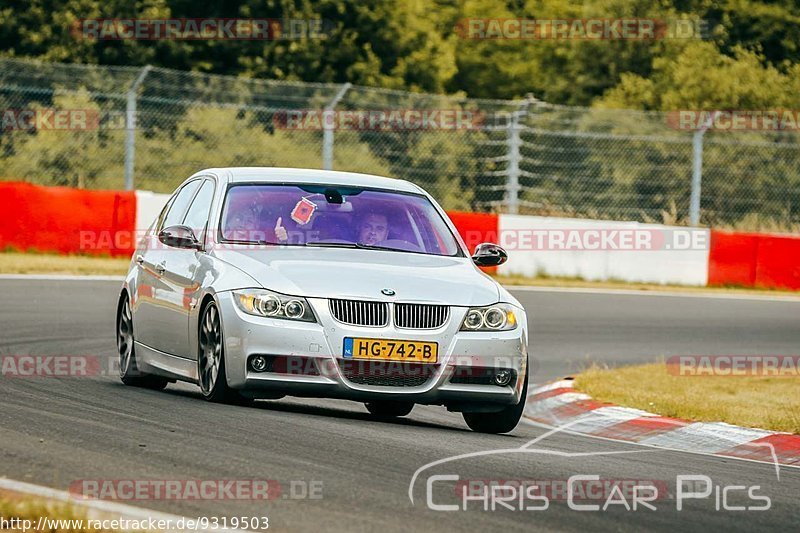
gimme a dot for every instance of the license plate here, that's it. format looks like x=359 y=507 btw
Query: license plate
x=391 y=350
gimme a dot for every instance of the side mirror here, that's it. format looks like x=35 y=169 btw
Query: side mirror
x=488 y=254
x=179 y=237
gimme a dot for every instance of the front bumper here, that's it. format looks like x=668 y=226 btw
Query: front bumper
x=475 y=353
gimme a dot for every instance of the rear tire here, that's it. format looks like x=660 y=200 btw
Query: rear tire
x=388 y=409
x=211 y=360
x=501 y=421
x=129 y=372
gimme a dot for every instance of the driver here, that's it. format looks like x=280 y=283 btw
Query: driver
x=374 y=228
x=241 y=224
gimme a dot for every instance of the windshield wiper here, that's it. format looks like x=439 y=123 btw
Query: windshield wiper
x=358 y=245
x=377 y=247
x=262 y=242
x=323 y=244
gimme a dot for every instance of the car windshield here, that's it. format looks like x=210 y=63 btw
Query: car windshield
x=334 y=216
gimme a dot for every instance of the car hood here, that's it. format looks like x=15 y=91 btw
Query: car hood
x=362 y=274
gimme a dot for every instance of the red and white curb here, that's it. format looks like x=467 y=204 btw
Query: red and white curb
x=557 y=404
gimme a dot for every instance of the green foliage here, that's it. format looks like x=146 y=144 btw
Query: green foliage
x=698 y=76
x=76 y=158
x=415 y=45
x=203 y=137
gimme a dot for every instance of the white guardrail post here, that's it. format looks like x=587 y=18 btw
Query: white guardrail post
x=328 y=124
x=513 y=157
x=697 y=177
x=130 y=127
x=697 y=171
x=512 y=178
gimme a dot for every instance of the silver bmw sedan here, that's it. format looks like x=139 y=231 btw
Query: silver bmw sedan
x=257 y=283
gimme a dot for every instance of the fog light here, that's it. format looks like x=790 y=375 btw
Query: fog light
x=258 y=363
x=502 y=378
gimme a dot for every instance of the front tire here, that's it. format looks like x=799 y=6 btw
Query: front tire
x=388 y=409
x=211 y=360
x=502 y=421
x=129 y=372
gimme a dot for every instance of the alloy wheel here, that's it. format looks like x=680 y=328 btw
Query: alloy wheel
x=210 y=349
x=125 y=337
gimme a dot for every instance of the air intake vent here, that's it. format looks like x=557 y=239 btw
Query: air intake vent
x=387 y=373
x=357 y=313
x=420 y=316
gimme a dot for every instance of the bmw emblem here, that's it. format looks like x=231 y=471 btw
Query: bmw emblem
x=387 y=292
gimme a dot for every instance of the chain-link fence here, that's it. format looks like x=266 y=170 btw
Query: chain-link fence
x=114 y=127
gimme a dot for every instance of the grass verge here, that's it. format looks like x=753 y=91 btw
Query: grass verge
x=36 y=263
x=771 y=403
x=22 y=512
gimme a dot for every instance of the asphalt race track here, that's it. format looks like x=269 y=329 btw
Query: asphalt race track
x=54 y=431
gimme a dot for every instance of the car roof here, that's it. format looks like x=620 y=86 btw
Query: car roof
x=315 y=176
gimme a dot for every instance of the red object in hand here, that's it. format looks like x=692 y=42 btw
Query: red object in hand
x=303 y=211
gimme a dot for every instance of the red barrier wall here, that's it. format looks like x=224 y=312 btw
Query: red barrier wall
x=732 y=258
x=754 y=260
x=476 y=228
x=66 y=220
x=778 y=262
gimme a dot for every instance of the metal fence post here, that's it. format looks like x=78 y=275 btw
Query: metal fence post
x=697 y=177
x=697 y=171
x=130 y=127
x=513 y=157
x=328 y=124
x=512 y=179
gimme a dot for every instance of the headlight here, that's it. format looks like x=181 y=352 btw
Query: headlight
x=498 y=317
x=261 y=302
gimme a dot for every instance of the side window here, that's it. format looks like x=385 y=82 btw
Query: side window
x=197 y=216
x=163 y=214
x=179 y=204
